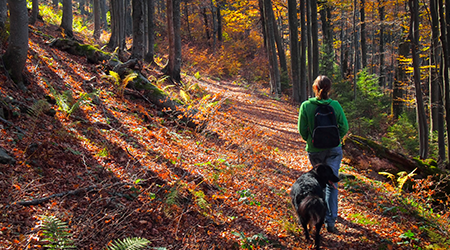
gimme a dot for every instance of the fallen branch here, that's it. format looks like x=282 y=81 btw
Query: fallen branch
x=12 y=124
x=45 y=199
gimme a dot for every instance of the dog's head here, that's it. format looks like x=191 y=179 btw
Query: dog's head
x=325 y=174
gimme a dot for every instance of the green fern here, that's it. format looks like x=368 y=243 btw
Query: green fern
x=56 y=233
x=172 y=196
x=121 y=84
x=67 y=103
x=200 y=200
x=135 y=243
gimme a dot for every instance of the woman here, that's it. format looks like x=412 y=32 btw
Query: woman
x=330 y=156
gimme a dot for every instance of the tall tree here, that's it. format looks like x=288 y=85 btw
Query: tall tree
x=328 y=53
x=400 y=79
x=363 y=34
x=279 y=44
x=3 y=16
x=138 y=29
x=355 y=44
x=173 y=68
x=436 y=104
x=309 y=51
x=303 y=75
x=67 y=18
x=382 y=77
x=34 y=11
x=420 y=109
x=149 y=56
x=446 y=63
x=117 y=38
x=295 y=53
x=219 y=20
x=16 y=53
x=315 y=39
x=275 y=84
x=97 y=24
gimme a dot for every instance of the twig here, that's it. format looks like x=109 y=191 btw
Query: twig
x=12 y=124
x=71 y=192
x=44 y=199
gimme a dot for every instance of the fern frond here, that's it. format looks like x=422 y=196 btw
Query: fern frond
x=403 y=177
x=185 y=96
x=135 y=243
x=129 y=78
x=172 y=196
x=56 y=233
x=38 y=108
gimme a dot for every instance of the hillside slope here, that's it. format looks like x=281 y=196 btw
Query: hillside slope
x=119 y=168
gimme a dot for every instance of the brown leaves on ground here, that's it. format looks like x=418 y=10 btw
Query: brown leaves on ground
x=223 y=188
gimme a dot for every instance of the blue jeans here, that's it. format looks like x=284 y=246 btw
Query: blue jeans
x=332 y=157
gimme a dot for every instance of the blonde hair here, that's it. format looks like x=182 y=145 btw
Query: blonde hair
x=321 y=87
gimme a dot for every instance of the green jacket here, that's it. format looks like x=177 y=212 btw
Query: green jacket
x=306 y=120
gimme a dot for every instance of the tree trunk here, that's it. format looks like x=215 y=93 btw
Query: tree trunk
x=279 y=44
x=328 y=53
x=400 y=81
x=138 y=29
x=97 y=23
x=275 y=85
x=315 y=40
x=381 y=44
x=363 y=35
x=219 y=21
x=205 y=22
x=3 y=17
x=16 y=53
x=173 y=68
x=436 y=103
x=295 y=55
x=34 y=12
x=420 y=109
x=309 y=46
x=355 y=53
x=67 y=18
x=303 y=75
x=446 y=61
x=149 y=56
x=103 y=12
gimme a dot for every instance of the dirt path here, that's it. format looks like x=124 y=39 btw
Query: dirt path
x=359 y=223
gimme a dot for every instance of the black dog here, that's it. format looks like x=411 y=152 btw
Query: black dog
x=307 y=198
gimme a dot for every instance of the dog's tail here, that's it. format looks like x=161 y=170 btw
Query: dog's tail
x=312 y=207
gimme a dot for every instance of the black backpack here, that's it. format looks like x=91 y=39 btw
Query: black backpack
x=326 y=132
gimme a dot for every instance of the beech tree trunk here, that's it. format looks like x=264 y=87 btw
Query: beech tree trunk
x=295 y=54
x=315 y=40
x=303 y=75
x=382 y=77
x=138 y=29
x=16 y=53
x=3 y=15
x=420 y=109
x=363 y=35
x=436 y=103
x=67 y=18
x=149 y=56
x=275 y=84
x=34 y=11
x=173 y=68
x=446 y=63
x=97 y=23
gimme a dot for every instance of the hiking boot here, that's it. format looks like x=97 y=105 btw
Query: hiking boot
x=332 y=229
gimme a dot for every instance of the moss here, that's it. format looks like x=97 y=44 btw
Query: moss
x=428 y=166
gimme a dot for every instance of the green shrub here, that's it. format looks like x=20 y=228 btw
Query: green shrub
x=402 y=136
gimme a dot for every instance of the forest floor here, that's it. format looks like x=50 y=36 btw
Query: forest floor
x=137 y=173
